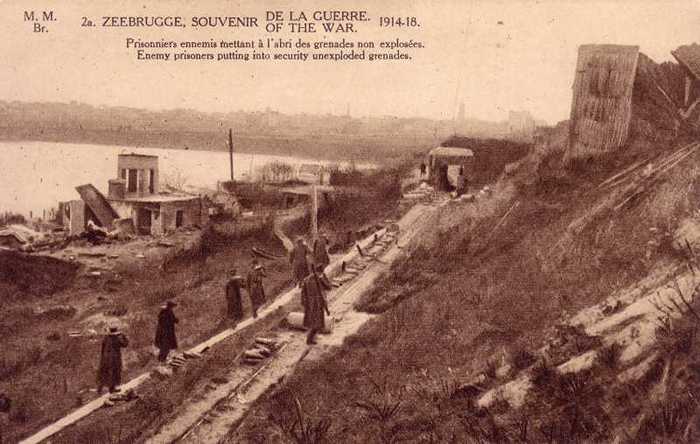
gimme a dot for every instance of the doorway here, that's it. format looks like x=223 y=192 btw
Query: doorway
x=143 y=218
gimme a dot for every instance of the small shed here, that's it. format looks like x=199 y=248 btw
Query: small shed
x=442 y=158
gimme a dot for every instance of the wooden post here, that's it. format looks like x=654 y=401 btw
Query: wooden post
x=230 y=150
x=314 y=211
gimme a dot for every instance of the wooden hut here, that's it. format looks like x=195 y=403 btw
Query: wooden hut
x=601 y=108
x=442 y=157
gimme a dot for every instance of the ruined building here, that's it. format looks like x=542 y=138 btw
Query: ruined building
x=620 y=93
x=135 y=195
x=133 y=200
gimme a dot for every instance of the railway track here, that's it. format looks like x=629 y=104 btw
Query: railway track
x=211 y=416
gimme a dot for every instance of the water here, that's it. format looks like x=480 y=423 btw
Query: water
x=35 y=176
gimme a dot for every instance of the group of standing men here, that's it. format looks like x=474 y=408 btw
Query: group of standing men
x=256 y=291
x=308 y=267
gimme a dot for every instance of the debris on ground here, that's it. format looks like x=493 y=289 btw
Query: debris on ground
x=261 y=349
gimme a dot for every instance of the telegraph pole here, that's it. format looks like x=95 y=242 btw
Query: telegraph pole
x=314 y=211
x=230 y=150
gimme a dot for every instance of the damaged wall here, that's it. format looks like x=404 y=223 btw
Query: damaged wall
x=192 y=214
x=163 y=215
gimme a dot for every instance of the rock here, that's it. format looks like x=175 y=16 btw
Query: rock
x=54 y=336
x=219 y=380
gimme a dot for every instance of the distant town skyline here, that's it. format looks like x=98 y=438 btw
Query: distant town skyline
x=494 y=56
x=458 y=117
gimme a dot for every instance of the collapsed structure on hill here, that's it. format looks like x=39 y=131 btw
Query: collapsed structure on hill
x=134 y=202
x=619 y=93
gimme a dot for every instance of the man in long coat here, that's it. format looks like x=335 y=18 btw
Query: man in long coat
x=321 y=252
x=299 y=260
x=255 y=286
x=165 y=332
x=313 y=299
x=234 y=307
x=110 y=372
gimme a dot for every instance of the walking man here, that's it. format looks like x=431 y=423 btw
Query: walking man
x=234 y=307
x=314 y=302
x=110 y=372
x=255 y=286
x=422 y=169
x=299 y=260
x=165 y=332
x=321 y=252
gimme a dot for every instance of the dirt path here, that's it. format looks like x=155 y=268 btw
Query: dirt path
x=210 y=416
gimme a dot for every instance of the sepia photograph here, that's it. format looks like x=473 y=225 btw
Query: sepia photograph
x=307 y=222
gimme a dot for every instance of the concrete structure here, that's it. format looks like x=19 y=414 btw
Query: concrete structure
x=74 y=216
x=135 y=195
x=139 y=173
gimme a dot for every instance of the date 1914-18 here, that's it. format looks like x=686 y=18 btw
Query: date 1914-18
x=400 y=22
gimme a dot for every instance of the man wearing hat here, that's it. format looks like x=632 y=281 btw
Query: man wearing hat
x=165 y=332
x=110 y=371
x=255 y=286
x=299 y=260
x=234 y=307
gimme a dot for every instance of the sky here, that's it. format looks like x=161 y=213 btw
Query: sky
x=494 y=56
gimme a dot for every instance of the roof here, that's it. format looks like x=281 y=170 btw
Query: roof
x=689 y=57
x=157 y=198
x=138 y=155
x=449 y=151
